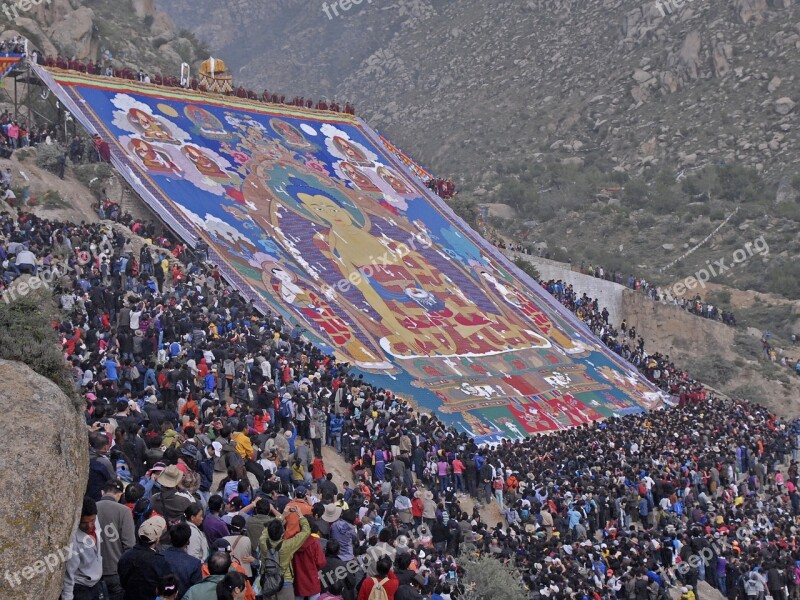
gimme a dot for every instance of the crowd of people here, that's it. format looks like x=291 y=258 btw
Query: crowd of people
x=206 y=423
x=694 y=305
x=624 y=341
x=15 y=134
x=206 y=427
x=15 y=45
x=444 y=188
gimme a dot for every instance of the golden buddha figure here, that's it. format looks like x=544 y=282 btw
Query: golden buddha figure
x=416 y=302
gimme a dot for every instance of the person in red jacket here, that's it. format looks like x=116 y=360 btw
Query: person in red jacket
x=307 y=562
x=386 y=578
x=318 y=471
x=417 y=506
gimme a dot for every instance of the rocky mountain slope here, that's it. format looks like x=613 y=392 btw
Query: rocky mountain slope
x=122 y=33
x=472 y=85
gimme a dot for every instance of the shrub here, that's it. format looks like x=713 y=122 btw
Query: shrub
x=714 y=370
x=26 y=336
x=48 y=157
x=52 y=199
x=467 y=210
x=736 y=182
x=486 y=578
x=94 y=176
x=784 y=279
x=750 y=392
x=527 y=267
x=645 y=221
x=636 y=192
x=23 y=154
x=720 y=298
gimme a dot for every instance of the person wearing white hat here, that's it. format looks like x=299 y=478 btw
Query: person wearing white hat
x=142 y=567
x=332 y=513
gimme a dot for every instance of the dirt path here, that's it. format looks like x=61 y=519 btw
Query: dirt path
x=342 y=471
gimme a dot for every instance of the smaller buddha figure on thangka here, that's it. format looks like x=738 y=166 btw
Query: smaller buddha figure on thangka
x=155 y=160
x=150 y=127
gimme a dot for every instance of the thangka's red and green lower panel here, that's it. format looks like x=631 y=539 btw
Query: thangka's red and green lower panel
x=310 y=214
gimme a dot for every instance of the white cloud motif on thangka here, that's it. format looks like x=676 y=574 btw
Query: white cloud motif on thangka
x=231 y=119
x=341 y=146
x=138 y=118
x=203 y=167
x=215 y=226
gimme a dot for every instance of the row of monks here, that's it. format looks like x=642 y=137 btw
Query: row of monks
x=444 y=188
x=92 y=68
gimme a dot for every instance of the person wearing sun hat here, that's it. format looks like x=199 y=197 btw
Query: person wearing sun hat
x=169 y=502
x=143 y=566
x=332 y=513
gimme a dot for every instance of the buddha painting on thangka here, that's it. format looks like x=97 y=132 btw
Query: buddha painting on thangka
x=400 y=305
x=155 y=160
x=308 y=213
x=406 y=298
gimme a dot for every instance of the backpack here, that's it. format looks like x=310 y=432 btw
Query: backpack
x=141 y=511
x=170 y=522
x=751 y=587
x=378 y=592
x=285 y=412
x=271 y=572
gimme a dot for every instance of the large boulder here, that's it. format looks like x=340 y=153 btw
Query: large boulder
x=74 y=34
x=44 y=466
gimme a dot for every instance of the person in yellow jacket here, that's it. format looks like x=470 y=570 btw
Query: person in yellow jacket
x=272 y=538
x=242 y=443
x=687 y=593
x=298 y=472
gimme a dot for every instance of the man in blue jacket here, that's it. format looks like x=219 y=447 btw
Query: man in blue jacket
x=186 y=568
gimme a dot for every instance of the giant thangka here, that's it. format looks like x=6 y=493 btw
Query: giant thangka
x=308 y=213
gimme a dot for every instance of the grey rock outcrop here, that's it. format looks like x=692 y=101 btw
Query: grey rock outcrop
x=44 y=469
x=513 y=78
